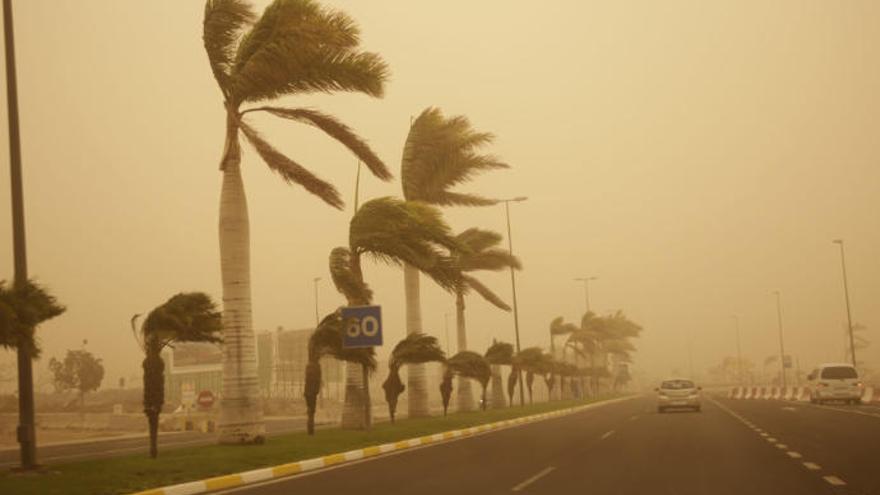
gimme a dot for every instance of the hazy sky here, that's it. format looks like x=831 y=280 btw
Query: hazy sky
x=695 y=156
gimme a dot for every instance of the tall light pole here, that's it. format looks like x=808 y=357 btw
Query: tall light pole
x=781 y=340
x=27 y=437
x=739 y=357
x=317 y=317
x=586 y=281
x=522 y=399
x=446 y=329
x=852 y=339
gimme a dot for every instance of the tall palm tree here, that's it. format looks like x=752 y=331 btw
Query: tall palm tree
x=415 y=348
x=480 y=253
x=465 y=364
x=296 y=47
x=185 y=317
x=439 y=154
x=23 y=307
x=326 y=340
x=395 y=232
x=498 y=354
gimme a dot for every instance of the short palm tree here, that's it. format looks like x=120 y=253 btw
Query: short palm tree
x=393 y=231
x=559 y=327
x=296 y=47
x=439 y=154
x=481 y=253
x=531 y=360
x=23 y=307
x=415 y=348
x=498 y=354
x=186 y=317
x=465 y=364
x=326 y=340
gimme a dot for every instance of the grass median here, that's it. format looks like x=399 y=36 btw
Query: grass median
x=137 y=472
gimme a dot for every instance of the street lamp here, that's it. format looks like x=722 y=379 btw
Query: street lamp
x=586 y=281
x=781 y=341
x=739 y=358
x=317 y=317
x=522 y=399
x=852 y=340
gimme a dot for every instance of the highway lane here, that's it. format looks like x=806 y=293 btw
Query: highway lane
x=841 y=439
x=622 y=448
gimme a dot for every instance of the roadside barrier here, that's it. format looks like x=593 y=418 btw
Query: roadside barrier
x=804 y=395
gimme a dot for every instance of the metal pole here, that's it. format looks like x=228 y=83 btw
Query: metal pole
x=27 y=438
x=739 y=358
x=852 y=339
x=522 y=399
x=317 y=317
x=781 y=341
x=446 y=329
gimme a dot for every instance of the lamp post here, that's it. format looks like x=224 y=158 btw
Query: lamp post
x=507 y=202
x=739 y=358
x=852 y=340
x=317 y=317
x=781 y=340
x=586 y=281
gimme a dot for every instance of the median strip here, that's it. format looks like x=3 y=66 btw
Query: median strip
x=299 y=467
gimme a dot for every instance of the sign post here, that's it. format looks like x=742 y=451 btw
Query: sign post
x=363 y=326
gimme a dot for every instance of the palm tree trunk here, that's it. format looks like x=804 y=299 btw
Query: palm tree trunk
x=465 y=396
x=417 y=380
x=354 y=416
x=241 y=414
x=498 y=400
x=153 y=420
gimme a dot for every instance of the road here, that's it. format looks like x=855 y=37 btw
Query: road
x=732 y=447
x=130 y=444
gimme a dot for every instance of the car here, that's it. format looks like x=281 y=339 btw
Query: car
x=678 y=393
x=835 y=382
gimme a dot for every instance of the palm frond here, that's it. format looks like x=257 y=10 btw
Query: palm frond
x=500 y=353
x=338 y=131
x=185 y=317
x=23 y=307
x=416 y=348
x=484 y=291
x=326 y=340
x=345 y=281
x=290 y=171
x=299 y=47
x=223 y=23
x=469 y=364
x=441 y=153
x=479 y=239
x=559 y=327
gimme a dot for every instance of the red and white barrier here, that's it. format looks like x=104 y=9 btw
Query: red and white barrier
x=804 y=395
x=868 y=395
x=789 y=393
x=748 y=393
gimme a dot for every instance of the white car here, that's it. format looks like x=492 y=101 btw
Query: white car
x=835 y=381
x=678 y=393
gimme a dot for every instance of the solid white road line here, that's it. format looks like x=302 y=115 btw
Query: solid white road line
x=533 y=479
x=834 y=480
x=607 y=434
x=793 y=454
x=812 y=466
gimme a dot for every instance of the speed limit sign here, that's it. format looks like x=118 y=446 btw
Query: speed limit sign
x=363 y=326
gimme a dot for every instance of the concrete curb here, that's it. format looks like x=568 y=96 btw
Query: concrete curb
x=292 y=468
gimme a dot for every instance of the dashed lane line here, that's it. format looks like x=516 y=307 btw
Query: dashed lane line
x=834 y=480
x=794 y=455
x=607 y=434
x=812 y=466
x=533 y=479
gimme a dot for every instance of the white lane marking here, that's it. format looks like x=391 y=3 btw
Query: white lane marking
x=793 y=454
x=607 y=434
x=771 y=439
x=781 y=446
x=812 y=466
x=533 y=479
x=634 y=417
x=834 y=480
x=789 y=408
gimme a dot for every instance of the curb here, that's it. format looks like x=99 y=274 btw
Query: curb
x=292 y=468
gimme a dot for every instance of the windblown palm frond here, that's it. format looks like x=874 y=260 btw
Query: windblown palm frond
x=185 y=317
x=479 y=253
x=416 y=348
x=469 y=364
x=559 y=327
x=396 y=232
x=223 y=24
x=299 y=47
x=22 y=309
x=441 y=153
x=326 y=340
x=500 y=353
x=345 y=281
x=472 y=283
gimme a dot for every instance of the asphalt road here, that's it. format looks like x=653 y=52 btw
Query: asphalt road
x=732 y=447
x=111 y=447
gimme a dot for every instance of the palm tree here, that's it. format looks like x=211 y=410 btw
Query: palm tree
x=296 y=47
x=439 y=154
x=465 y=364
x=395 y=232
x=480 y=253
x=326 y=340
x=415 y=348
x=23 y=307
x=559 y=327
x=532 y=360
x=499 y=353
x=186 y=317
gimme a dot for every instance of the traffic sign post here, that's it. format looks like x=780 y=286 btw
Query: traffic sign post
x=362 y=326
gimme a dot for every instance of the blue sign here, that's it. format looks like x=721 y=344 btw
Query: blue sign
x=363 y=326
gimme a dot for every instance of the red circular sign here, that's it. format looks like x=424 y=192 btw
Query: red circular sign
x=205 y=399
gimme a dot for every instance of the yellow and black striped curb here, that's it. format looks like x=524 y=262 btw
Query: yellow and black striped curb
x=268 y=473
